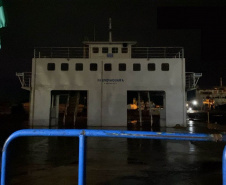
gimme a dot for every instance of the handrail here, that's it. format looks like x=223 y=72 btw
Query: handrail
x=157 y=52
x=61 y=52
x=83 y=52
x=83 y=133
x=25 y=80
x=192 y=80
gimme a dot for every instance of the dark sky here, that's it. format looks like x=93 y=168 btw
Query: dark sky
x=198 y=26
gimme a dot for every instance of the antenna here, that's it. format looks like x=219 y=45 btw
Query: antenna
x=94 y=33
x=110 y=31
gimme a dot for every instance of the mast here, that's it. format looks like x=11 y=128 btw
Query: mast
x=110 y=31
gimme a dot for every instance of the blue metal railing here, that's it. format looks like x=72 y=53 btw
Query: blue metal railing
x=82 y=134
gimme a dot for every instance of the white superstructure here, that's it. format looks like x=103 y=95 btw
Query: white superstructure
x=107 y=73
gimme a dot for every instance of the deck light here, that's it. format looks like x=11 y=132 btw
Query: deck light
x=194 y=102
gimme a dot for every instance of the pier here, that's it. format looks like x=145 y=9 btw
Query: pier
x=54 y=160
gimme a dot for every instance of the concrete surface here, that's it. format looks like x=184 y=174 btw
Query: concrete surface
x=44 y=161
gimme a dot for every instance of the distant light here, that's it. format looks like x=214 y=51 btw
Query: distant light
x=186 y=104
x=194 y=102
x=2 y=16
x=189 y=108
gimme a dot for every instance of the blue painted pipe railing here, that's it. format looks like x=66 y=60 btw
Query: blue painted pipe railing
x=82 y=134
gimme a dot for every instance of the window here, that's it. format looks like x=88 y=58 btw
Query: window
x=165 y=67
x=136 y=67
x=114 y=50
x=124 y=45
x=151 y=67
x=51 y=67
x=79 y=67
x=64 y=67
x=107 y=67
x=122 y=67
x=95 y=50
x=105 y=50
x=93 y=67
x=124 y=50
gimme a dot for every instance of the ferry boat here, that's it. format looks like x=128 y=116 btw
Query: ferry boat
x=99 y=81
x=212 y=98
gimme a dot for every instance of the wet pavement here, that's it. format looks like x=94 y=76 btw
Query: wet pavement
x=54 y=160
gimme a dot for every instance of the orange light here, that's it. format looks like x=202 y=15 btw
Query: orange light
x=133 y=106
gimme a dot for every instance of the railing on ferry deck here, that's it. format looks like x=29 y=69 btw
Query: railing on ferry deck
x=83 y=52
x=192 y=80
x=25 y=80
x=83 y=134
x=157 y=52
x=61 y=52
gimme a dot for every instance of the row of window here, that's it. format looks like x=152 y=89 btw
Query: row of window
x=108 y=67
x=110 y=50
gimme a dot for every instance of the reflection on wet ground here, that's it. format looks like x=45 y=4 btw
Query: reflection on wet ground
x=120 y=161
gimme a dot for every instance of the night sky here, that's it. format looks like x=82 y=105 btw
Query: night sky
x=198 y=26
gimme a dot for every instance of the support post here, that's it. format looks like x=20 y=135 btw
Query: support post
x=51 y=110
x=163 y=113
x=76 y=107
x=57 y=109
x=150 y=111
x=140 y=112
x=82 y=160
x=224 y=166
x=208 y=117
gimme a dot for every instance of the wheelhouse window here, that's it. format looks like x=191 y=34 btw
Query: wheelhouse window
x=50 y=66
x=93 y=67
x=79 y=67
x=104 y=50
x=165 y=67
x=124 y=50
x=122 y=67
x=95 y=50
x=136 y=67
x=151 y=67
x=107 y=67
x=64 y=67
x=114 y=50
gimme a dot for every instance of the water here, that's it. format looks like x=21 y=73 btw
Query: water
x=54 y=160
